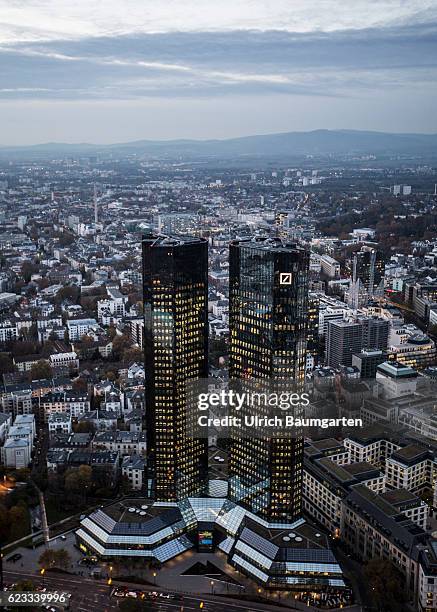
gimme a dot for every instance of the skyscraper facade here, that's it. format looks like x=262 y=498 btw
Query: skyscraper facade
x=345 y=338
x=313 y=340
x=268 y=301
x=368 y=268
x=175 y=277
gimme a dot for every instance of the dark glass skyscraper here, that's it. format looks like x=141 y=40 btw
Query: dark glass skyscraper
x=368 y=268
x=313 y=341
x=175 y=276
x=268 y=301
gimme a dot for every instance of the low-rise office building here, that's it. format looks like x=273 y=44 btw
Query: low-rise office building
x=374 y=528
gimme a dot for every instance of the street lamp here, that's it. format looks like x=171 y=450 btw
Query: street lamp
x=154 y=578
x=42 y=572
x=212 y=587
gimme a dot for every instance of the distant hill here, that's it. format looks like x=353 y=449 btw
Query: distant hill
x=288 y=144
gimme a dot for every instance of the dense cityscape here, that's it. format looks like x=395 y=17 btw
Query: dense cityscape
x=125 y=276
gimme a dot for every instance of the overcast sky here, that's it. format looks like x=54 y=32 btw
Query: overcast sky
x=112 y=71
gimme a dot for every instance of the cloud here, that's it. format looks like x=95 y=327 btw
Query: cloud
x=199 y=64
x=338 y=63
x=44 y=20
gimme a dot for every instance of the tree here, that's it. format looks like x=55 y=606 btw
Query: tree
x=63 y=559
x=121 y=343
x=6 y=364
x=24 y=348
x=112 y=332
x=71 y=480
x=18 y=521
x=47 y=349
x=40 y=370
x=386 y=585
x=87 y=347
x=66 y=238
x=135 y=297
x=55 y=558
x=67 y=293
x=133 y=354
x=125 y=485
x=47 y=558
x=80 y=384
x=78 y=480
x=84 y=427
x=27 y=269
x=4 y=523
x=87 y=341
x=85 y=476
x=111 y=375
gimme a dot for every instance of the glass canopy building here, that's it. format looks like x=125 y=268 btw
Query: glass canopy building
x=258 y=525
x=175 y=278
x=268 y=302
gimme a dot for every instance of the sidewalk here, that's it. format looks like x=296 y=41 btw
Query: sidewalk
x=29 y=560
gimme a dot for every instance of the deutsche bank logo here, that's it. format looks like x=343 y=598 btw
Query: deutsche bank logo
x=285 y=278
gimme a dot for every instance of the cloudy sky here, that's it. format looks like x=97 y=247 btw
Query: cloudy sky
x=113 y=71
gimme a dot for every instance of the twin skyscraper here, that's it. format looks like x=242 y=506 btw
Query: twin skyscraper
x=268 y=303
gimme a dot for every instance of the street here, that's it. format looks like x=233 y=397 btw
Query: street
x=91 y=595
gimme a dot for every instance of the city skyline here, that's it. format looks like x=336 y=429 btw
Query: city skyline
x=218 y=305
x=104 y=317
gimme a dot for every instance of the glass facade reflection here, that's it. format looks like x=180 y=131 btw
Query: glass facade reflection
x=268 y=306
x=369 y=268
x=175 y=273
x=313 y=341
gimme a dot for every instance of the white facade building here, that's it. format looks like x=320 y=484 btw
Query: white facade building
x=79 y=327
x=132 y=468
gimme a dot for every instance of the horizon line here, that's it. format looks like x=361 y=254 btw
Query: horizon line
x=203 y=140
